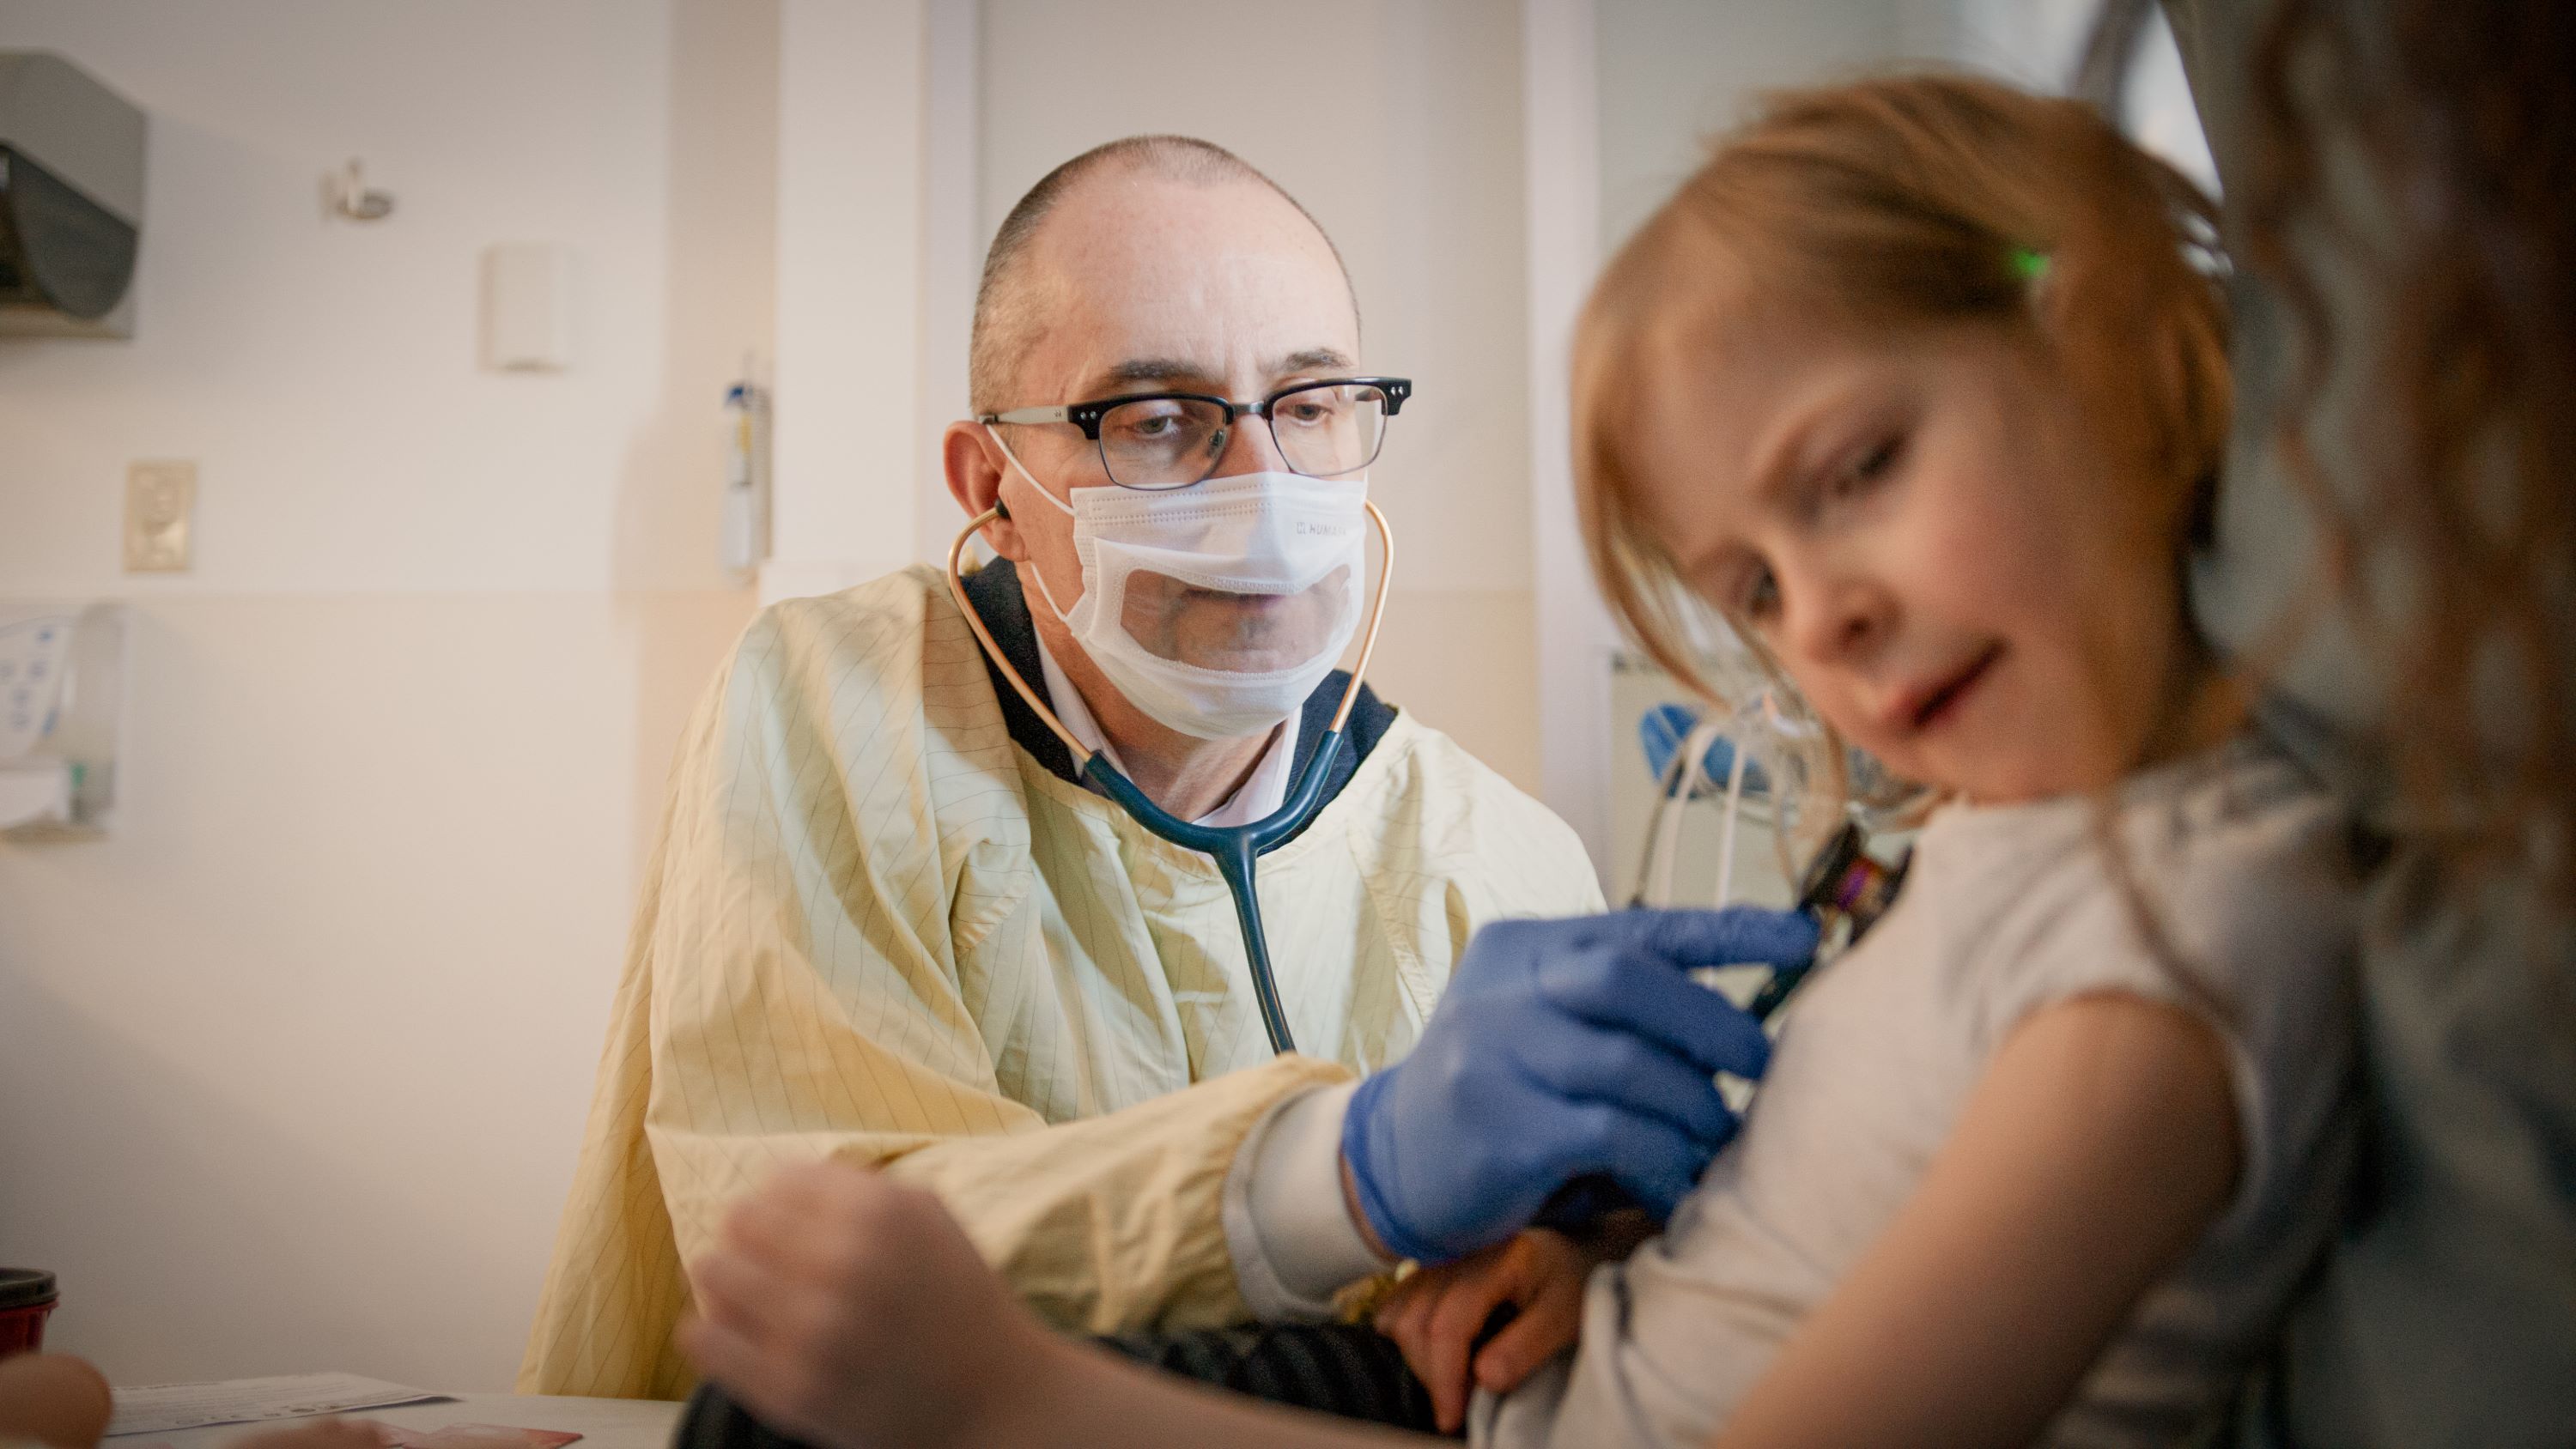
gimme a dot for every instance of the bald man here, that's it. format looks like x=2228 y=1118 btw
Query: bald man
x=888 y=923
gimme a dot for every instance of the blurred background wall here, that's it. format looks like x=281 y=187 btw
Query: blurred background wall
x=293 y=1063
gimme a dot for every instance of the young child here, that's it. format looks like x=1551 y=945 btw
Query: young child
x=1920 y=385
x=1958 y=403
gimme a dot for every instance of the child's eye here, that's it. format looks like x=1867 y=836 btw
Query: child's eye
x=1867 y=469
x=1757 y=595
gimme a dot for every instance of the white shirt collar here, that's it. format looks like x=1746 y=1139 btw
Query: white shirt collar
x=1263 y=792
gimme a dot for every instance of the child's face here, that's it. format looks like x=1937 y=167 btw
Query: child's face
x=1925 y=535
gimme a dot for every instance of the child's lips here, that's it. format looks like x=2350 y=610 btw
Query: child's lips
x=1923 y=708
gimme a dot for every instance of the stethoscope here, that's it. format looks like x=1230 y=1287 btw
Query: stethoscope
x=1234 y=848
x=1843 y=885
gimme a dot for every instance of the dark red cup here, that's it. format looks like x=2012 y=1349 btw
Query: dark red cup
x=27 y=1297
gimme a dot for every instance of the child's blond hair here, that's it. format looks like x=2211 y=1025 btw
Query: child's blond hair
x=1900 y=203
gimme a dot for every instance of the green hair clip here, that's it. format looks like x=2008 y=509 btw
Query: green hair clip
x=2029 y=263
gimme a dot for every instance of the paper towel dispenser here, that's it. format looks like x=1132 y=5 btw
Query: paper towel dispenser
x=71 y=200
x=62 y=715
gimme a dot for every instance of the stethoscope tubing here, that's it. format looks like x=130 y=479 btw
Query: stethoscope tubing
x=1233 y=848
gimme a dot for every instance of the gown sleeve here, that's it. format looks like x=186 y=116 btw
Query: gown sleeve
x=792 y=993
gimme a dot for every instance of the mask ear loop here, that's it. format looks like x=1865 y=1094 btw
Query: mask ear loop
x=1025 y=475
x=1000 y=510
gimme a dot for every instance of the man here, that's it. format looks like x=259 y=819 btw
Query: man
x=888 y=925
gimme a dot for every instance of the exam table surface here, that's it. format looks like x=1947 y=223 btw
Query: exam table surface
x=602 y=1423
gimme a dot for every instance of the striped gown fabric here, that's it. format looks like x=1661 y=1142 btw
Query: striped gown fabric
x=877 y=929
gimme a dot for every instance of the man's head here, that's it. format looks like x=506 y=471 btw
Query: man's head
x=1147 y=264
x=1024 y=287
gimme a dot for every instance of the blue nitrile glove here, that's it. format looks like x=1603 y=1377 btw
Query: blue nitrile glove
x=1563 y=1048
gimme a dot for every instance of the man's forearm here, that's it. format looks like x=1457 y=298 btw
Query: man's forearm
x=1115 y=1223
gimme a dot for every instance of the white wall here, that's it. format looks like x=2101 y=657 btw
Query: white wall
x=849 y=272
x=2039 y=43
x=1398 y=127
x=1676 y=73
x=292 y=1068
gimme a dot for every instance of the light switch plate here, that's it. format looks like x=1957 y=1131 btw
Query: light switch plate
x=527 y=307
x=160 y=503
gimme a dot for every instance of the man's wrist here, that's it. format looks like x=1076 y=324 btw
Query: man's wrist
x=1288 y=1223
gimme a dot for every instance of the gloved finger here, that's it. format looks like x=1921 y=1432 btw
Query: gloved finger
x=1639 y=994
x=1590 y=1065
x=1656 y=1164
x=1736 y=936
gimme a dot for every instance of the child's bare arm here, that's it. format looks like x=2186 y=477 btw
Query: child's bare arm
x=2099 y=1145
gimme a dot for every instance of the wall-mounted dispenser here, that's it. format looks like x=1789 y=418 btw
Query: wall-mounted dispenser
x=62 y=709
x=744 y=540
x=71 y=200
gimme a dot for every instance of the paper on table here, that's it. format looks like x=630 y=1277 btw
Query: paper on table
x=473 y=1436
x=159 y=1408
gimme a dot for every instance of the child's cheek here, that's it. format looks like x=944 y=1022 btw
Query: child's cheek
x=1838 y=703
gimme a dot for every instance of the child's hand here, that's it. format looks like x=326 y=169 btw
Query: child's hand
x=1436 y=1314
x=847 y=1311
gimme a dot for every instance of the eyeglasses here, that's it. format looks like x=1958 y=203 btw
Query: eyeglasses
x=1160 y=440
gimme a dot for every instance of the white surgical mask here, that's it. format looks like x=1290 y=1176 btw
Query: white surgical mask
x=1156 y=567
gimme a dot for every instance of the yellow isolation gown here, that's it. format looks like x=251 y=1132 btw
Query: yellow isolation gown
x=879 y=929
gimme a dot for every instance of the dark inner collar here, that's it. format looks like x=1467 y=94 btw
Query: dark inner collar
x=995 y=592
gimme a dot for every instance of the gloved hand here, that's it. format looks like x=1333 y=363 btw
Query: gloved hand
x=1562 y=1048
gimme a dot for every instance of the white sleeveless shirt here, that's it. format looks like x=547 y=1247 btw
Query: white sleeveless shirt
x=2007 y=910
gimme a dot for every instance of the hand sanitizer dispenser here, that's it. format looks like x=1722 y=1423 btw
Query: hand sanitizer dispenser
x=62 y=704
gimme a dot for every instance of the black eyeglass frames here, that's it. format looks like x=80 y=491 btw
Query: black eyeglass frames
x=1161 y=440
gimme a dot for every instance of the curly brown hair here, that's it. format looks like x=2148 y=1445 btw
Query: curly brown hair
x=2450 y=533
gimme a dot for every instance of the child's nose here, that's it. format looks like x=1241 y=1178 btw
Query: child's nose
x=1849 y=618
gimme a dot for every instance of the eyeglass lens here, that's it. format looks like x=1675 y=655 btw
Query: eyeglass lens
x=1322 y=431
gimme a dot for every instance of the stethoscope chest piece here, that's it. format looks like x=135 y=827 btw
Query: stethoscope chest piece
x=1846 y=890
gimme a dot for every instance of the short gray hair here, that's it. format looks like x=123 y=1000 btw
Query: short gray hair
x=1006 y=323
